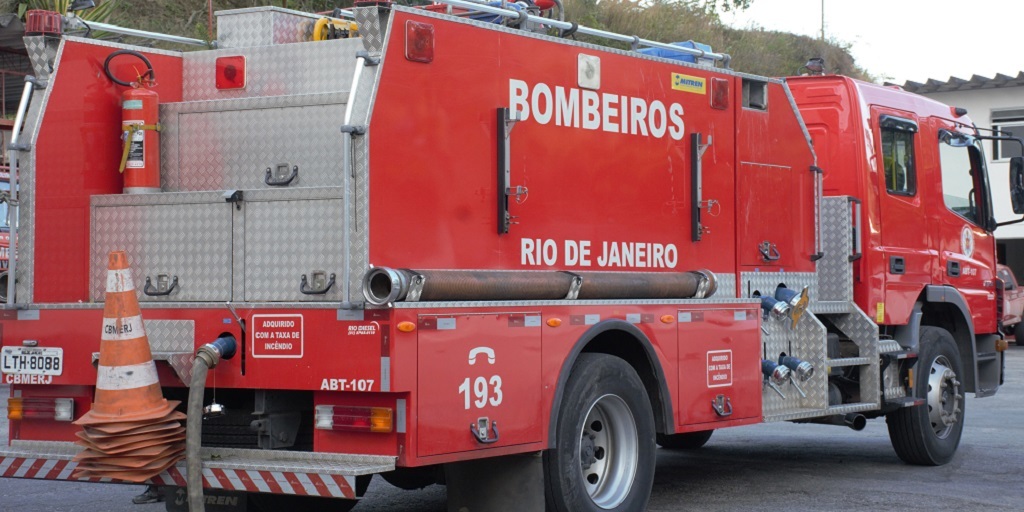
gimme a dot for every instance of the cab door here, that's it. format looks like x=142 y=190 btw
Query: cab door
x=908 y=250
x=963 y=222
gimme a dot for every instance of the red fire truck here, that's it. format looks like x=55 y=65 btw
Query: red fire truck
x=454 y=244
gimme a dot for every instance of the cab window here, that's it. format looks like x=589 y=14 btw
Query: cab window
x=898 y=155
x=963 y=177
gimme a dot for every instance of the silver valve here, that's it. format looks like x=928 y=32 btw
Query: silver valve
x=775 y=375
x=802 y=370
x=775 y=309
x=797 y=301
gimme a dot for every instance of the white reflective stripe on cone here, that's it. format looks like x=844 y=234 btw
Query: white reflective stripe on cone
x=120 y=281
x=131 y=376
x=125 y=328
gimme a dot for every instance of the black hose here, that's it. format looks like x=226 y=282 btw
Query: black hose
x=149 y=67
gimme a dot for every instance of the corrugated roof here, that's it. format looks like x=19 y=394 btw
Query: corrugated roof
x=959 y=84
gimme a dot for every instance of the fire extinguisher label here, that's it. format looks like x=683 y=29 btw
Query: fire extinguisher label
x=137 y=147
x=131 y=105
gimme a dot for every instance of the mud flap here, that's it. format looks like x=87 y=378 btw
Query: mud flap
x=500 y=484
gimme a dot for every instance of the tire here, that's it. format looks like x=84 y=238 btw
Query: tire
x=1018 y=331
x=261 y=502
x=603 y=458
x=687 y=441
x=928 y=435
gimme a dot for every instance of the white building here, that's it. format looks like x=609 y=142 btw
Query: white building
x=991 y=103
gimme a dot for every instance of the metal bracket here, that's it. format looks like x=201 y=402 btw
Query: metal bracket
x=368 y=60
x=416 y=282
x=162 y=287
x=479 y=430
x=280 y=175
x=722 y=406
x=574 y=286
x=235 y=197
x=354 y=129
x=697 y=150
x=775 y=388
x=19 y=147
x=507 y=120
x=769 y=251
x=320 y=284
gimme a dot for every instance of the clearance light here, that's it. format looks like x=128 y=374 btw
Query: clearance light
x=1002 y=345
x=406 y=326
x=59 y=409
x=554 y=322
x=719 y=93
x=666 y=319
x=231 y=72
x=361 y=419
x=419 y=41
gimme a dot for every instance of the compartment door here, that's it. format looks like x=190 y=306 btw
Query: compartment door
x=288 y=239
x=719 y=354
x=187 y=241
x=478 y=366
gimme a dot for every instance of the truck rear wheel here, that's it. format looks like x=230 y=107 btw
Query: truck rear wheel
x=928 y=435
x=604 y=447
x=687 y=441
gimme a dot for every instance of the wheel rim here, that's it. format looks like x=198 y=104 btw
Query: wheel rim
x=944 y=397
x=608 y=451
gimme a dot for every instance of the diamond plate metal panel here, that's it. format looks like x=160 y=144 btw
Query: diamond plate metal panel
x=191 y=241
x=767 y=282
x=233 y=149
x=807 y=341
x=262 y=26
x=42 y=53
x=287 y=239
x=373 y=23
x=835 y=271
x=171 y=335
x=279 y=70
x=864 y=333
x=726 y=287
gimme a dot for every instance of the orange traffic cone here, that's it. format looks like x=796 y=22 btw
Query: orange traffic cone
x=131 y=433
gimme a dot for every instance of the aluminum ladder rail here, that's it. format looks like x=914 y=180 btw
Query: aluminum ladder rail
x=13 y=150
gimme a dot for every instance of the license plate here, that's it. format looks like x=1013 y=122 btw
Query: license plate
x=32 y=360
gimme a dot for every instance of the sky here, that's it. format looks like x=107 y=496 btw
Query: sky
x=900 y=40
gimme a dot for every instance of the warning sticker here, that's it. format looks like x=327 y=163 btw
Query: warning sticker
x=719 y=368
x=136 y=147
x=277 y=336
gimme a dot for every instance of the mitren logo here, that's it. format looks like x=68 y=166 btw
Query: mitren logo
x=277 y=336
x=590 y=110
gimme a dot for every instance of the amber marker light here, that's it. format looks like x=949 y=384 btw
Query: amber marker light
x=666 y=319
x=554 y=322
x=406 y=326
x=1002 y=345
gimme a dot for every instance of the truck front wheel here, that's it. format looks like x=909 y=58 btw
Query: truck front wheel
x=928 y=435
x=604 y=453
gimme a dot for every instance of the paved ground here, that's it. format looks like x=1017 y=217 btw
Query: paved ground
x=767 y=467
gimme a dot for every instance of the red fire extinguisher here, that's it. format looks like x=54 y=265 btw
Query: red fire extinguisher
x=140 y=128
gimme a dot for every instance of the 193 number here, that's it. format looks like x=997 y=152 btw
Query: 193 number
x=482 y=392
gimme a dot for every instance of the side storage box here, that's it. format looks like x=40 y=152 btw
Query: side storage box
x=291 y=234
x=180 y=243
x=232 y=143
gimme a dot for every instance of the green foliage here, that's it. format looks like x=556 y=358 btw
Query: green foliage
x=756 y=51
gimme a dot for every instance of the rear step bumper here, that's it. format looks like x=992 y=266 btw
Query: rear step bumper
x=329 y=475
